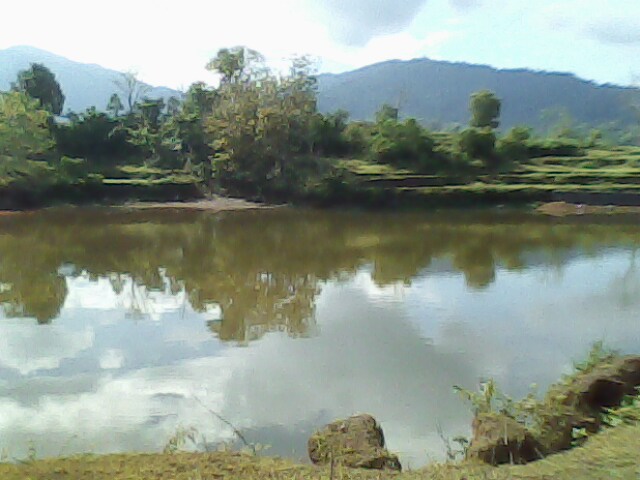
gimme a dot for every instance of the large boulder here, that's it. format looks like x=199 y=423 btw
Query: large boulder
x=498 y=439
x=357 y=442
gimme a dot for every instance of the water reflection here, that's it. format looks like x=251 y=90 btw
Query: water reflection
x=139 y=312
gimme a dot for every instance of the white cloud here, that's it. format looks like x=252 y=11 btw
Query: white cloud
x=28 y=348
x=112 y=359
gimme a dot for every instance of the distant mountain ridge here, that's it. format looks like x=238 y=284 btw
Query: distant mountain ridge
x=429 y=90
x=439 y=91
x=84 y=85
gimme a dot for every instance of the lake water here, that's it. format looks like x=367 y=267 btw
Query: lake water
x=117 y=327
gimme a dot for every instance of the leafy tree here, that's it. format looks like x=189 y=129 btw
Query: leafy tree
x=115 y=105
x=131 y=88
x=485 y=109
x=153 y=136
x=261 y=126
x=38 y=82
x=479 y=143
x=328 y=132
x=95 y=136
x=237 y=64
x=24 y=131
x=514 y=145
x=199 y=99
x=403 y=143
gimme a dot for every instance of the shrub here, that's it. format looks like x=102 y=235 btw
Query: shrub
x=479 y=143
x=513 y=146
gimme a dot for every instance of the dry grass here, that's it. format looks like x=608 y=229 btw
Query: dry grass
x=613 y=454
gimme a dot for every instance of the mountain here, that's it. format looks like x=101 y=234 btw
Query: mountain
x=439 y=91
x=84 y=85
x=431 y=91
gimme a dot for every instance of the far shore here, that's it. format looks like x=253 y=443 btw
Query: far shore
x=212 y=204
x=564 y=209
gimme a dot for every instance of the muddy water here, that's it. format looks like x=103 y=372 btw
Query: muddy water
x=117 y=326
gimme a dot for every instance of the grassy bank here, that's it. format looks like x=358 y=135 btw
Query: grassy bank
x=613 y=453
x=597 y=176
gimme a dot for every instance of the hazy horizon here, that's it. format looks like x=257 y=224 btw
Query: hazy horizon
x=170 y=42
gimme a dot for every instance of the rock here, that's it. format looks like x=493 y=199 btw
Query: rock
x=498 y=439
x=357 y=442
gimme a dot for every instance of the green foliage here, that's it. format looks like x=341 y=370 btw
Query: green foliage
x=598 y=354
x=261 y=128
x=513 y=146
x=358 y=136
x=403 y=143
x=237 y=64
x=479 y=143
x=24 y=132
x=556 y=147
x=488 y=399
x=95 y=136
x=627 y=413
x=485 y=109
x=329 y=133
x=39 y=83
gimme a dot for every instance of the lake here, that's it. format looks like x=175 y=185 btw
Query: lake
x=120 y=329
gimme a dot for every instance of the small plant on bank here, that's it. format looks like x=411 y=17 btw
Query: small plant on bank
x=627 y=413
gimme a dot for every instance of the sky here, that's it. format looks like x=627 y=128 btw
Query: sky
x=168 y=42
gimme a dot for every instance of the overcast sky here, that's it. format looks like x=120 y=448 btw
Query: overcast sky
x=168 y=42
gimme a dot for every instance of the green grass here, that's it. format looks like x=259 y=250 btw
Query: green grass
x=597 y=170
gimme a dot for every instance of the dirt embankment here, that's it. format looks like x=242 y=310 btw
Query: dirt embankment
x=564 y=209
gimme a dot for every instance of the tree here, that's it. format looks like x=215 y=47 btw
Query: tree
x=485 y=109
x=262 y=125
x=131 y=88
x=38 y=82
x=173 y=106
x=479 y=143
x=513 y=146
x=115 y=105
x=237 y=64
x=24 y=130
x=403 y=143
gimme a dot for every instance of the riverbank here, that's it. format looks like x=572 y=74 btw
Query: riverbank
x=564 y=209
x=215 y=203
x=610 y=454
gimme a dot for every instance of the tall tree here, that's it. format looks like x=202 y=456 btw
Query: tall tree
x=236 y=64
x=115 y=105
x=262 y=125
x=131 y=88
x=40 y=83
x=23 y=129
x=485 y=109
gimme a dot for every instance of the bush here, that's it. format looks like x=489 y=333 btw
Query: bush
x=358 y=136
x=555 y=147
x=513 y=146
x=73 y=168
x=403 y=144
x=479 y=143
